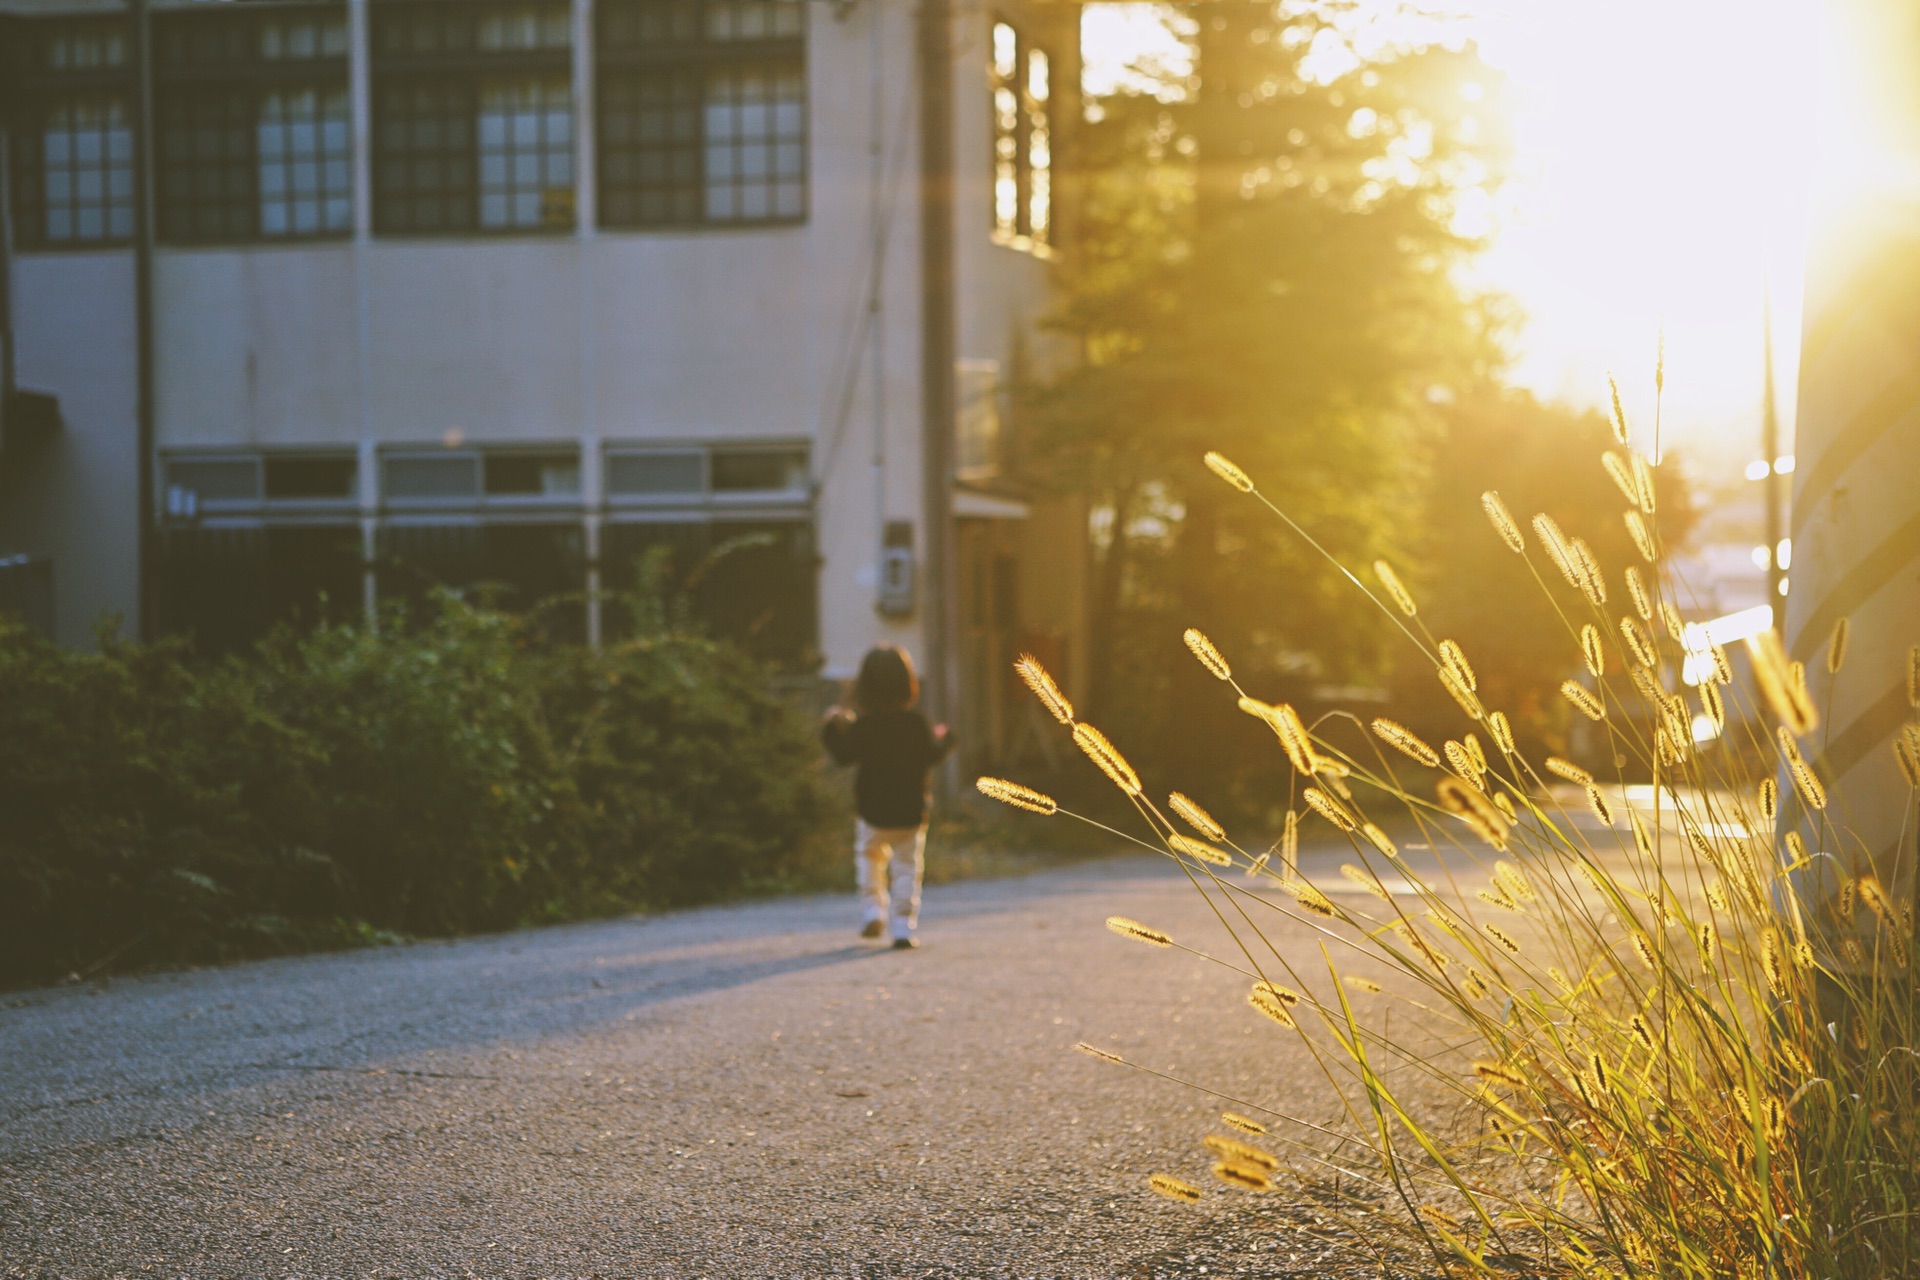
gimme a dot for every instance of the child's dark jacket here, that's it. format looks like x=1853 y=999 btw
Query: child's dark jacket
x=895 y=752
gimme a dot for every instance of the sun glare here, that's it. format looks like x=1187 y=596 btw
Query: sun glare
x=1664 y=158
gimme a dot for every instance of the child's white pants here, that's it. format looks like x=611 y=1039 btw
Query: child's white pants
x=887 y=863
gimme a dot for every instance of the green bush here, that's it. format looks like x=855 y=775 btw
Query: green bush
x=692 y=777
x=429 y=777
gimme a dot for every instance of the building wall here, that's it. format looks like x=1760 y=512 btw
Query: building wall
x=75 y=497
x=595 y=337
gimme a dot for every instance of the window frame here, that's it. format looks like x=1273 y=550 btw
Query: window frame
x=38 y=90
x=720 y=503
x=697 y=57
x=246 y=79
x=467 y=71
x=1035 y=118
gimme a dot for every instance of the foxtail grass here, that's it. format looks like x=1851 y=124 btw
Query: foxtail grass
x=1669 y=1056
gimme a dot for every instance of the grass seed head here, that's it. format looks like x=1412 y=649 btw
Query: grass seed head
x=1199 y=850
x=1380 y=840
x=1807 y=784
x=1559 y=550
x=1456 y=660
x=1310 y=898
x=1722 y=664
x=1209 y=656
x=1329 y=808
x=1016 y=795
x=1773 y=962
x=1405 y=741
x=1906 y=752
x=1503 y=521
x=1245 y=1124
x=1642 y=539
x=1592 y=650
x=1233 y=1149
x=1712 y=705
x=1513 y=882
x=1769 y=798
x=1637 y=592
x=1619 y=416
x=1093 y=1052
x=1271 y=1006
x=1784 y=694
x=1367 y=985
x=1593 y=583
x=1196 y=817
x=1479 y=813
x=1394 y=587
x=1103 y=753
x=1364 y=880
x=1029 y=669
x=1244 y=1176
x=1138 y=932
x=1501 y=730
x=1500 y=1073
x=1621 y=474
x=1227 y=471
x=1459 y=692
x=1569 y=770
x=1837 y=645
x=1645 y=494
x=1639 y=644
x=1502 y=937
x=1165 y=1184
x=1583 y=701
x=1642 y=1032
x=1597 y=801
x=1290 y=844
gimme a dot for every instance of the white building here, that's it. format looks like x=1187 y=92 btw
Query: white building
x=461 y=291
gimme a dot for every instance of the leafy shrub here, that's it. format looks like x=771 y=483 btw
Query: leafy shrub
x=692 y=776
x=144 y=801
x=429 y=777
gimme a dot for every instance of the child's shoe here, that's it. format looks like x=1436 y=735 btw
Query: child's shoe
x=872 y=929
x=906 y=944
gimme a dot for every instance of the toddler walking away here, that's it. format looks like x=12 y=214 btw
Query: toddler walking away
x=894 y=750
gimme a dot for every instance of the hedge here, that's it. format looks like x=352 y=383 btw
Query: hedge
x=421 y=779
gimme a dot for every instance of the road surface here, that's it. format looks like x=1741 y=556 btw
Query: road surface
x=738 y=1091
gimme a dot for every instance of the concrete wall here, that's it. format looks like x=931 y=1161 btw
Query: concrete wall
x=75 y=497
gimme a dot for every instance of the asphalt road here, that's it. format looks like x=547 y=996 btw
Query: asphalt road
x=733 y=1092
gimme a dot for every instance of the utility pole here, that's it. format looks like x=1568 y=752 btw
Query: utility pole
x=937 y=350
x=144 y=411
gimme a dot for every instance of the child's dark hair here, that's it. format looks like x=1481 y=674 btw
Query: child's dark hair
x=886 y=681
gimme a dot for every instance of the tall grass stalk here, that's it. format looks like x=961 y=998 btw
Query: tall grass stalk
x=1669 y=1061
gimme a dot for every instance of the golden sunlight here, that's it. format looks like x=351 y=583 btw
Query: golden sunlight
x=1664 y=151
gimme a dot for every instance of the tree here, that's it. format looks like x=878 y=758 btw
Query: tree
x=1267 y=267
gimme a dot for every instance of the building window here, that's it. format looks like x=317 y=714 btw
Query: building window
x=73 y=136
x=252 y=123
x=1021 y=96
x=702 y=112
x=473 y=108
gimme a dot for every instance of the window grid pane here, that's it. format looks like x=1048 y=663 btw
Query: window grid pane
x=423 y=177
x=473 y=119
x=75 y=181
x=526 y=153
x=306 y=182
x=206 y=167
x=702 y=112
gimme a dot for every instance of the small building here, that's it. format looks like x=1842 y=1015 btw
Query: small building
x=328 y=302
